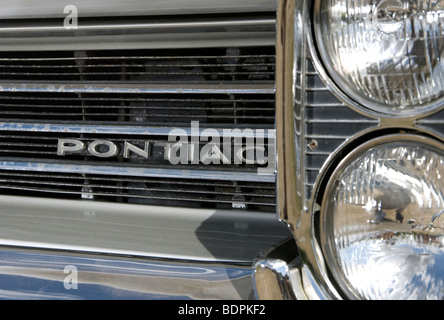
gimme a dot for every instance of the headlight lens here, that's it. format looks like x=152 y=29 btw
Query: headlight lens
x=386 y=54
x=382 y=219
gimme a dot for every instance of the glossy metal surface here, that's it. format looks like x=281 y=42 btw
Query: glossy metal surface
x=273 y=280
x=141 y=24
x=277 y=273
x=124 y=130
x=109 y=87
x=291 y=50
x=53 y=8
x=285 y=130
x=36 y=275
x=164 y=232
x=140 y=33
x=138 y=172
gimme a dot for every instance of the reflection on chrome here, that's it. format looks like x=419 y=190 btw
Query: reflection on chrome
x=385 y=220
x=386 y=52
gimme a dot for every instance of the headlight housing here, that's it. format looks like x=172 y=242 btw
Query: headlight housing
x=387 y=55
x=382 y=220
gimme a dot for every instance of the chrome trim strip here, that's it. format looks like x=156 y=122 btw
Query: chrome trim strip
x=125 y=130
x=285 y=113
x=27 y=9
x=154 y=40
x=93 y=87
x=141 y=25
x=138 y=172
x=140 y=33
x=138 y=230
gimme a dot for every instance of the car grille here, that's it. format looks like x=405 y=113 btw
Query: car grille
x=328 y=124
x=133 y=96
x=223 y=86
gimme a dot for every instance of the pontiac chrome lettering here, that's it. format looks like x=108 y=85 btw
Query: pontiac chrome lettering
x=100 y=148
x=209 y=153
x=195 y=146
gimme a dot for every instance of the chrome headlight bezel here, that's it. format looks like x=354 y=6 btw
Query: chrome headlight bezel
x=328 y=247
x=347 y=91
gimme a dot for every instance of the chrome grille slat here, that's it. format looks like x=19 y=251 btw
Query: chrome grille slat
x=159 y=24
x=126 y=188
x=131 y=73
x=23 y=113
x=151 y=197
x=149 y=172
x=128 y=179
x=141 y=57
x=136 y=99
x=16 y=128
x=137 y=88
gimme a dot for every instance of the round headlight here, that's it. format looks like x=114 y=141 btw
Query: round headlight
x=387 y=55
x=382 y=220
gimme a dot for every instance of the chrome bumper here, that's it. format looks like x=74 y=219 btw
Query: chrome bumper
x=129 y=252
x=50 y=274
x=280 y=274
